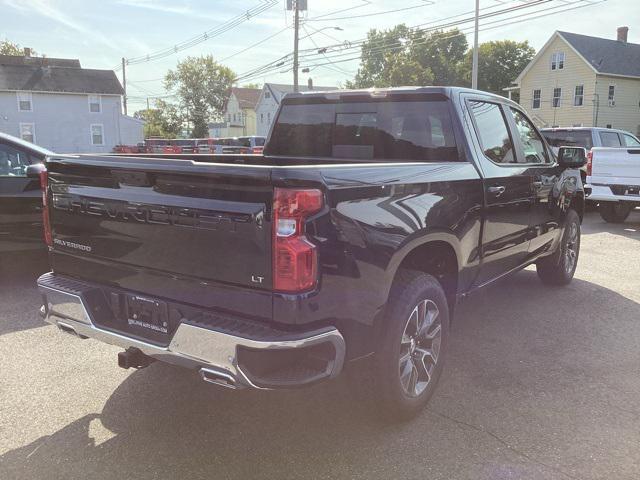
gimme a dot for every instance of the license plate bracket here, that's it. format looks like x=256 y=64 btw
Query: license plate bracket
x=147 y=313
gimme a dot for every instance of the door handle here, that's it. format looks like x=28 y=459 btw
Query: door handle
x=496 y=191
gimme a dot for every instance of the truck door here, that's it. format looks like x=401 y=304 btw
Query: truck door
x=508 y=192
x=545 y=175
x=20 y=201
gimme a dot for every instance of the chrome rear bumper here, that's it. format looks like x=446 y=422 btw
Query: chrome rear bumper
x=214 y=352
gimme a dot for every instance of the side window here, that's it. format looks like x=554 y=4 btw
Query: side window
x=534 y=151
x=630 y=141
x=610 y=139
x=97 y=134
x=492 y=131
x=13 y=162
x=95 y=104
x=25 y=101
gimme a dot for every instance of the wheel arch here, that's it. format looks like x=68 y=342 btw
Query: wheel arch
x=436 y=254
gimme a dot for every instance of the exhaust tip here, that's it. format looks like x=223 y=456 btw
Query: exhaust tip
x=218 y=377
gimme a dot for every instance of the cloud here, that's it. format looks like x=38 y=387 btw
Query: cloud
x=46 y=9
x=169 y=8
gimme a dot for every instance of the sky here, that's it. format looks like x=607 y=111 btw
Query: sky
x=100 y=33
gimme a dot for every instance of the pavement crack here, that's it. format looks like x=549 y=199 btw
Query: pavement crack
x=503 y=442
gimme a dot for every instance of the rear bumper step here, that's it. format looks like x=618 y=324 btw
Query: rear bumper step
x=232 y=354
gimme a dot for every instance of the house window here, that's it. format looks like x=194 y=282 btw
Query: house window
x=612 y=95
x=267 y=95
x=269 y=117
x=536 y=99
x=557 y=95
x=578 y=96
x=28 y=132
x=97 y=134
x=557 y=61
x=25 y=102
x=95 y=104
x=262 y=118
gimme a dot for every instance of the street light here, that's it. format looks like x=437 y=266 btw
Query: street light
x=339 y=29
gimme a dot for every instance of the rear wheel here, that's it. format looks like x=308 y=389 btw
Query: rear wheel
x=559 y=268
x=615 y=212
x=403 y=373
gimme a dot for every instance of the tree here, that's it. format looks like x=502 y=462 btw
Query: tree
x=499 y=63
x=202 y=87
x=9 y=48
x=403 y=56
x=251 y=85
x=165 y=120
x=443 y=52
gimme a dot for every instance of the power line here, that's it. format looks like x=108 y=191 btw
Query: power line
x=214 y=32
x=507 y=22
x=427 y=3
x=284 y=60
x=239 y=52
x=364 y=4
x=335 y=69
x=341 y=50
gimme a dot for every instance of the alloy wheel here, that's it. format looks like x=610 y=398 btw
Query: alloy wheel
x=420 y=347
x=571 y=250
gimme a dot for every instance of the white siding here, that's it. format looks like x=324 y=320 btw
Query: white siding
x=266 y=111
x=63 y=121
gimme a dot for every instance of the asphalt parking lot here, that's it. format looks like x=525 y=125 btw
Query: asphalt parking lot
x=541 y=383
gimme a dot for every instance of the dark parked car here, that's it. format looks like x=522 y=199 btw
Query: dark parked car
x=20 y=196
x=370 y=214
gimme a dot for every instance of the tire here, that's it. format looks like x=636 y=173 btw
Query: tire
x=402 y=374
x=559 y=268
x=615 y=212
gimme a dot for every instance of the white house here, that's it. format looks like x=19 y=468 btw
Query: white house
x=578 y=80
x=57 y=104
x=240 y=112
x=269 y=102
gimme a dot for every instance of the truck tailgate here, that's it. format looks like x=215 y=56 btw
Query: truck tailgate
x=209 y=222
x=615 y=165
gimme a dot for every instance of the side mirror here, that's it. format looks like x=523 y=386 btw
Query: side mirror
x=572 y=157
x=34 y=171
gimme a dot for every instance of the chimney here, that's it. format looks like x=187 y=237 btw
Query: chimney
x=27 y=52
x=622 y=34
x=310 y=83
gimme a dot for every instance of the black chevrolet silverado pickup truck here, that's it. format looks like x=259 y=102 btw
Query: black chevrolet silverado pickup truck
x=370 y=214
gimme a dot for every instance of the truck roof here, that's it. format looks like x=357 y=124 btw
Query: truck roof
x=446 y=91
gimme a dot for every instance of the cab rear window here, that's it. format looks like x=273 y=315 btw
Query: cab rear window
x=389 y=130
x=569 y=138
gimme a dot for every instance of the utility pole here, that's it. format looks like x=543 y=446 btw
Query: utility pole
x=296 y=28
x=474 y=68
x=124 y=85
x=148 y=103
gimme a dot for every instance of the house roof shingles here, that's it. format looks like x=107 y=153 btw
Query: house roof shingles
x=607 y=56
x=247 y=97
x=55 y=75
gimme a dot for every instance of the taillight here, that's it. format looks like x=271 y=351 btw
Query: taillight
x=295 y=259
x=46 y=222
x=589 y=162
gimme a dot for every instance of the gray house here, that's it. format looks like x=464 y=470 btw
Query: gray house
x=57 y=104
